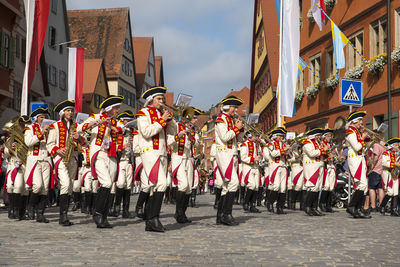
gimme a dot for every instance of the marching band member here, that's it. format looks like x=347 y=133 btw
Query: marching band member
x=267 y=159
x=296 y=176
x=278 y=169
x=391 y=182
x=182 y=167
x=227 y=133
x=38 y=165
x=357 y=164
x=154 y=124
x=125 y=171
x=217 y=174
x=14 y=183
x=103 y=153
x=61 y=139
x=87 y=182
x=141 y=177
x=249 y=155
x=329 y=181
x=313 y=170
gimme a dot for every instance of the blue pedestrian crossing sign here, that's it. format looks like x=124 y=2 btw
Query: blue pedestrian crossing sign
x=351 y=92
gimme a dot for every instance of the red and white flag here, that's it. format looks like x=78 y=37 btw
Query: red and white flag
x=318 y=15
x=76 y=59
x=37 y=15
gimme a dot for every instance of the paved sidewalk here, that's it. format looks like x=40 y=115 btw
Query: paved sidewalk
x=261 y=239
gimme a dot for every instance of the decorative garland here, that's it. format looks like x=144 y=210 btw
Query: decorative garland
x=310 y=16
x=329 y=4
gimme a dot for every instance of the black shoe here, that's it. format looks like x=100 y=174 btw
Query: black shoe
x=154 y=225
x=227 y=219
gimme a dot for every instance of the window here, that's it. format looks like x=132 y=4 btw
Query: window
x=127 y=45
x=129 y=97
x=18 y=46
x=61 y=49
x=378 y=37
x=315 y=69
x=5 y=49
x=126 y=68
x=23 y=51
x=97 y=100
x=63 y=80
x=353 y=58
x=52 y=75
x=300 y=82
x=54 y=6
x=17 y=92
x=397 y=27
x=329 y=63
x=52 y=37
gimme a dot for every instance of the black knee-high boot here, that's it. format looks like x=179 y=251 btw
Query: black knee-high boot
x=267 y=192
x=64 y=221
x=227 y=217
x=40 y=209
x=153 y=224
x=117 y=204
x=126 y=203
x=253 y=202
x=217 y=196
x=33 y=201
x=11 y=206
x=143 y=197
x=242 y=194
x=247 y=199
x=102 y=207
x=260 y=195
x=220 y=209
x=88 y=200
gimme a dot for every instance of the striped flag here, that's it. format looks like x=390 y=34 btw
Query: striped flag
x=76 y=59
x=318 y=15
x=37 y=14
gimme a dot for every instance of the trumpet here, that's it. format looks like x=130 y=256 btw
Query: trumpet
x=245 y=124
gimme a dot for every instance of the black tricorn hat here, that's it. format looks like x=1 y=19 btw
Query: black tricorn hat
x=24 y=119
x=355 y=115
x=328 y=131
x=127 y=114
x=64 y=104
x=153 y=91
x=231 y=101
x=40 y=111
x=393 y=141
x=315 y=131
x=111 y=101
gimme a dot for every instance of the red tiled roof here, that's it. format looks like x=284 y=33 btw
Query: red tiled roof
x=102 y=33
x=141 y=51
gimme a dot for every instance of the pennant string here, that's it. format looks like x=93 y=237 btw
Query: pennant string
x=355 y=49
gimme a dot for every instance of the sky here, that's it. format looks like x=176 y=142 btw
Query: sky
x=205 y=44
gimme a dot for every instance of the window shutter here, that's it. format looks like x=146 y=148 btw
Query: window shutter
x=1 y=48
x=11 y=54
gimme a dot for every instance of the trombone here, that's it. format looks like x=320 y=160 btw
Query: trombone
x=245 y=124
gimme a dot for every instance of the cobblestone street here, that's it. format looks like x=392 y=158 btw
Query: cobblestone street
x=260 y=239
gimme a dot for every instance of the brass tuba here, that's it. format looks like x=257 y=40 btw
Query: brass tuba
x=20 y=149
x=70 y=144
